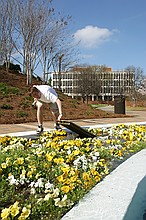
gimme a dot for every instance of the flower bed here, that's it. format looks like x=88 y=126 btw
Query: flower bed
x=44 y=178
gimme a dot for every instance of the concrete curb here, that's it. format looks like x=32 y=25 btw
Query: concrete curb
x=120 y=196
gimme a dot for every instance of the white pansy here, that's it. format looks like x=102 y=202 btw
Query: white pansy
x=39 y=183
x=32 y=191
x=47 y=197
x=12 y=180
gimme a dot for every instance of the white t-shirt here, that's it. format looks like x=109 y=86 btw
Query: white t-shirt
x=48 y=94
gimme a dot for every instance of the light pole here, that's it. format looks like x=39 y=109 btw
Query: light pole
x=59 y=71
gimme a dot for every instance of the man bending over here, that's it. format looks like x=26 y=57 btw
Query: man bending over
x=46 y=94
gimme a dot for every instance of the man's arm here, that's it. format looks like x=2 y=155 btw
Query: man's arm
x=59 y=109
x=34 y=102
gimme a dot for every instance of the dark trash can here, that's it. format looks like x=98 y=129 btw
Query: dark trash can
x=119 y=104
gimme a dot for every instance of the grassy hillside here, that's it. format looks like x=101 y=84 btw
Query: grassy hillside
x=16 y=104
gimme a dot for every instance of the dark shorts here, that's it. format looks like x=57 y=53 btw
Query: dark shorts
x=53 y=107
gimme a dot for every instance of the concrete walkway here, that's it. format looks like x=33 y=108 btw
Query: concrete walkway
x=30 y=128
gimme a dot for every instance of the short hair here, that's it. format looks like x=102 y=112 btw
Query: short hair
x=33 y=90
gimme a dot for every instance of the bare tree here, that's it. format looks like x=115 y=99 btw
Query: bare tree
x=37 y=33
x=138 y=82
x=88 y=82
x=41 y=34
x=38 y=37
x=30 y=24
x=6 y=31
x=51 y=44
x=60 y=53
x=138 y=75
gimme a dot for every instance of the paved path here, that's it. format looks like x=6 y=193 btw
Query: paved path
x=134 y=117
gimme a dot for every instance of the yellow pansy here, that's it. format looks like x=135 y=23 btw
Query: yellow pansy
x=5 y=213
x=37 y=175
x=87 y=185
x=49 y=157
x=94 y=172
x=65 y=169
x=108 y=141
x=78 y=142
x=130 y=136
x=59 y=160
x=73 y=178
x=66 y=147
x=29 y=174
x=69 y=158
x=73 y=172
x=120 y=153
x=19 y=161
x=8 y=159
x=79 y=181
x=76 y=152
x=97 y=178
x=39 y=152
x=65 y=189
x=60 y=178
x=4 y=165
x=46 y=165
x=85 y=176
x=88 y=149
x=106 y=170
x=67 y=181
x=25 y=213
x=14 y=209
x=99 y=142
x=101 y=162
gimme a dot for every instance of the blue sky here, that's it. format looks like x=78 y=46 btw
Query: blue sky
x=111 y=32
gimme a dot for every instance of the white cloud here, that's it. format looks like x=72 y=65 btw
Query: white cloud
x=92 y=37
x=87 y=56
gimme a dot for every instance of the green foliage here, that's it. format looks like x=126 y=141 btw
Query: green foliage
x=1 y=114
x=21 y=114
x=89 y=112
x=6 y=193
x=74 y=103
x=5 y=90
x=25 y=104
x=98 y=105
x=29 y=98
x=6 y=106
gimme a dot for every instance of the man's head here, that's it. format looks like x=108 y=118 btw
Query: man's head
x=35 y=93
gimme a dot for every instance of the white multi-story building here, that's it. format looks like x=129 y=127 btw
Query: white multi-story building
x=113 y=83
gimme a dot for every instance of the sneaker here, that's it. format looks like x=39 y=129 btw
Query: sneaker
x=40 y=129
x=57 y=127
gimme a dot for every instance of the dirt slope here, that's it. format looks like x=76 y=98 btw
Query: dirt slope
x=15 y=102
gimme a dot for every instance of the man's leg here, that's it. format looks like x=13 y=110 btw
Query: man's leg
x=54 y=111
x=54 y=116
x=39 y=116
